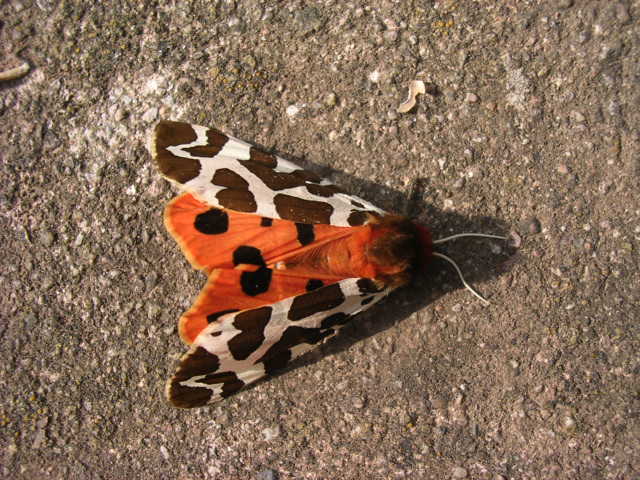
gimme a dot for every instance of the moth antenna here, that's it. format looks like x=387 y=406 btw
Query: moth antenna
x=460 y=235
x=464 y=282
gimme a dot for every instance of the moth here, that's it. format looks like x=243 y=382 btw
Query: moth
x=290 y=258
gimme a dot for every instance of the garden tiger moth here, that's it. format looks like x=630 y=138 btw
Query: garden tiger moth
x=290 y=258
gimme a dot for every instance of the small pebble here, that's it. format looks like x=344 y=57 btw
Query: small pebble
x=330 y=99
x=267 y=474
x=622 y=13
x=150 y=115
x=164 y=452
x=405 y=418
x=583 y=37
x=271 y=433
x=565 y=3
x=39 y=439
x=308 y=19
x=120 y=115
x=471 y=98
x=153 y=310
x=604 y=187
x=563 y=169
x=577 y=116
x=533 y=226
x=292 y=110
x=390 y=36
x=567 y=423
x=438 y=402
x=474 y=172
x=459 y=472
x=235 y=24
x=46 y=238
x=459 y=183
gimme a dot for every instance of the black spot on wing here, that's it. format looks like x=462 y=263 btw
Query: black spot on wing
x=265 y=159
x=277 y=360
x=314 y=284
x=248 y=255
x=366 y=301
x=336 y=319
x=236 y=195
x=196 y=363
x=251 y=324
x=306 y=235
x=367 y=286
x=215 y=141
x=322 y=190
x=231 y=387
x=223 y=177
x=182 y=396
x=238 y=200
x=255 y=283
x=264 y=166
x=212 y=222
x=171 y=134
x=357 y=217
x=212 y=317
x=301 y=210
x=229 y=380
x=316 y=301
x=279 y=353
x=266 y=222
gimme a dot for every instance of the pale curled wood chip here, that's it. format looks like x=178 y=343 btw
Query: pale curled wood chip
x=415 y=87
x=14 y=73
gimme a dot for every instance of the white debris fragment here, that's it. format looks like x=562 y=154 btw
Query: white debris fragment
x=374 y=76
x=14 y=73
x=292 y=110
x=271 y=433
x=164 y=452
x=415 y=87
x=150 y=115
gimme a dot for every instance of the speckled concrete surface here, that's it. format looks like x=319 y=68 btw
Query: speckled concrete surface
x=535 y=130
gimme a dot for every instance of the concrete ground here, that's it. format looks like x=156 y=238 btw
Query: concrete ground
x=533 y=129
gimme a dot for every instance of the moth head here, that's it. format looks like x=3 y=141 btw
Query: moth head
x=398 y=245
x=425 y=243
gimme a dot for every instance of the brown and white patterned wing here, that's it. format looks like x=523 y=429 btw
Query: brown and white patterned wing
x=240 y=348
x=229 y=173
